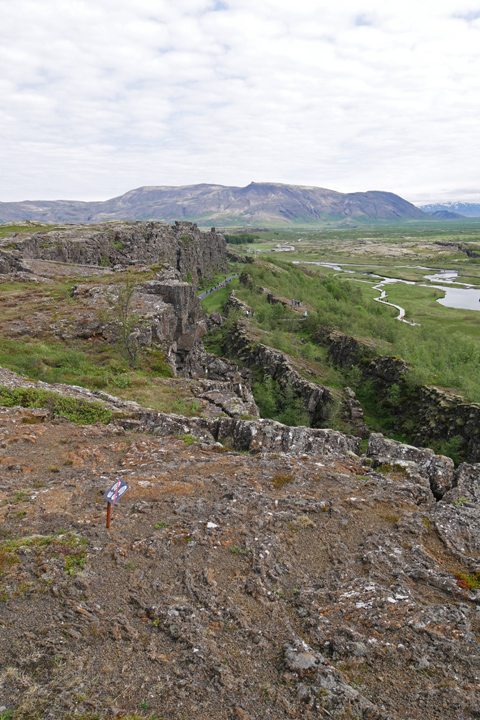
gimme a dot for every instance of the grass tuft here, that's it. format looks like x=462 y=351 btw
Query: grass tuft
x=279 y=480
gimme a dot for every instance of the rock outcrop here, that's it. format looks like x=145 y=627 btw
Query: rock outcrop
x=321 y=568
x=187 y=328
x=168 y=305
x=428 y=414
x=319 y=401
x=437 y=469
x=253 y=435
x=466 y=485
x=169 y=311
x=294 y=579
x=9 y=263
x=193 y=253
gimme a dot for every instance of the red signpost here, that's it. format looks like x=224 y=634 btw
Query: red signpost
x=113 y=495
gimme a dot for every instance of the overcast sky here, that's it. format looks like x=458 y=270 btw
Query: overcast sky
x=98 y=98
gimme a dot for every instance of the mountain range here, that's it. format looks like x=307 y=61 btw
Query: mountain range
x=257 y=203
x=461 y=209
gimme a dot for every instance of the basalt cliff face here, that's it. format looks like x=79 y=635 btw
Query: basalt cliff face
x=321 y=403
x=179 y=252
x=429 y=414
x=181 y=245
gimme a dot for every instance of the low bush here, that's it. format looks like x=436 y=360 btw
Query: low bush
x=76 y=410
x=241 y=238
x=279 y=480
x=468 y=582
x=281 y=404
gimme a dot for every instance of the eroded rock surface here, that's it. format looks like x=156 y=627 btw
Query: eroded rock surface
x=438 y=469
x=281 y=584
x=182 y=245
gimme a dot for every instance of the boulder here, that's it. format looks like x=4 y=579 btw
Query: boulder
x=466 y=485
x=438 y=469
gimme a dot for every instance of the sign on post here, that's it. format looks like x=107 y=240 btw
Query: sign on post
x=113 y=495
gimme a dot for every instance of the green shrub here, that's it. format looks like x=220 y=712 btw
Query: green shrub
x=280 y=479
x=156 y=361
x=124 y=322
x=241 y=238
x=353 y=377
x=76 y=410
x=452 y=448
x=468 y=582
x=394 y=394
x=75 y=562
x=367 y=393
x=281 y=404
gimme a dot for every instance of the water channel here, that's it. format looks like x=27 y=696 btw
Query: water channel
x=464 y=296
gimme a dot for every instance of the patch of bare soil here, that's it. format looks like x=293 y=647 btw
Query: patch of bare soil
x=228 y=586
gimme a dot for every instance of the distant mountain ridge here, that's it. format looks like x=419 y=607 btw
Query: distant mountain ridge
x=257 y=203
x=463 y=209
x=446 y=215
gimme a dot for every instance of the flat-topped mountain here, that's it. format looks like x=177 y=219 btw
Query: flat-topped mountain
x=257 y=203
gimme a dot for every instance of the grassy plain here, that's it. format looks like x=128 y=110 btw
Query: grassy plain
x=422 y=307
x=24 y=227
x=380 y=242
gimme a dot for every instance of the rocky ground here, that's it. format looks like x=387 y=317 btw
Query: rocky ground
x=408 y=248
x=230 y=584
x=251 y=571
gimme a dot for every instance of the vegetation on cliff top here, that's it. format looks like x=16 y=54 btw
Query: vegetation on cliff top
x=38 y=310
x=76 y=410
x=437 y=355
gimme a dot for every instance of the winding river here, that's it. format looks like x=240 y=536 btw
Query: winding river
x=463 y=296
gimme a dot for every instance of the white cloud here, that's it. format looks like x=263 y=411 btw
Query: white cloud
x=96 y=99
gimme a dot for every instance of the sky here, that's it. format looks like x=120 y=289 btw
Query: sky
x=98 y=98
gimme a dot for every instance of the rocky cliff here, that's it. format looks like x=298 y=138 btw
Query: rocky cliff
x=428 y=414
x=320 y=402
x=193 y=253
x=179 y=252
